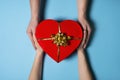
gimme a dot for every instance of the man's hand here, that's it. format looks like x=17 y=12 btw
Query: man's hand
x=86 y=29
x=31 y=30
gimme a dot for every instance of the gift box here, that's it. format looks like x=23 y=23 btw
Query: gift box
x=59 y=39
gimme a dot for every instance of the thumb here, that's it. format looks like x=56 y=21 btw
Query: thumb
x=35 y=40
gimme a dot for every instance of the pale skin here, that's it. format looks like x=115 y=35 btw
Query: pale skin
x=83 y=68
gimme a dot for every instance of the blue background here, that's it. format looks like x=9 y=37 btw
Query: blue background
x=17 y=53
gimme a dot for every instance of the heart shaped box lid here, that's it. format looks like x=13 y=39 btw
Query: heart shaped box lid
x=59 y=39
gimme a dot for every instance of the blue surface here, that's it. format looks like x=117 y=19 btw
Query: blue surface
x=17 y=53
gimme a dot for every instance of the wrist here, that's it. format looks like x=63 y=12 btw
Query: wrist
x=34 y=18
x=39 y=53
x=39 y=57
x=82 y=16
x=81 y=53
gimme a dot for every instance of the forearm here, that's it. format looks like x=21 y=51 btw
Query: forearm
x=35 y=6
x=37 y=67
x=82 y=7
x=83 y=68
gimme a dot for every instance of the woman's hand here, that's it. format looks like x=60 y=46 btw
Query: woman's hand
x=86 y=29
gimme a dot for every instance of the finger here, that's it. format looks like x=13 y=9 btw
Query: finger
x=87 y=38
x=84 y=38
x=31 y=38
x=84 y=35
x=39 y=49
x=36 y=43
x=35 y=40
x=33 y=30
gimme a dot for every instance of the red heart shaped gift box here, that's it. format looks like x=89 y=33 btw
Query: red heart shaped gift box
x=59 y=39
